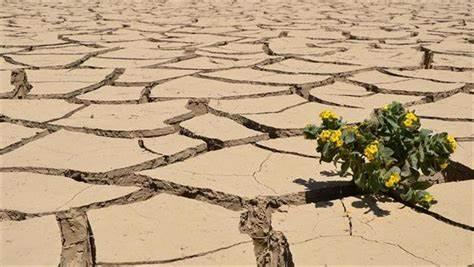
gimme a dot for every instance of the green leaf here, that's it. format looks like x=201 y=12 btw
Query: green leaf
x=326 y=154
x=392 y=123
x=425 y=132
x=311 y=131
x=386 y=152
x=421 y=185
x=374 y=184
x=344 y=167
x=421 y=154
x=409 y=195
x=406 y=170
x=348 y=137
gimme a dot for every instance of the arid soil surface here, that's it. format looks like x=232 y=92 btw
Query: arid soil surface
x=170 y=132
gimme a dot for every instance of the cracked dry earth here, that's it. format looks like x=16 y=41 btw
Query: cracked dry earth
x=170 y=132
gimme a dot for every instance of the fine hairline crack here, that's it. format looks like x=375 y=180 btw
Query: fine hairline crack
x=260 y=168
x=173 y=260
x=398 y=246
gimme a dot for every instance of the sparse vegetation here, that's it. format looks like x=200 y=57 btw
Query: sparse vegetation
x=387 y=152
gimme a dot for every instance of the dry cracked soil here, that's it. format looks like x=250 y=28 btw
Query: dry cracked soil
x=150 y=133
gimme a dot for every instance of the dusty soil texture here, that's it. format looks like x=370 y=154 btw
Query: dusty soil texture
x=170 y=132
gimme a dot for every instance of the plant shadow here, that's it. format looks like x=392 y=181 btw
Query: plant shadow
x=323 y=193
x=370 y=202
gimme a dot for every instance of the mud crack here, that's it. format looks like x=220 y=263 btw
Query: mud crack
x=20 y=81
x=348 y=216
x=271 y=247
x=77 y=239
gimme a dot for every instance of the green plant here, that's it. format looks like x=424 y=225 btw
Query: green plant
x=387 y=152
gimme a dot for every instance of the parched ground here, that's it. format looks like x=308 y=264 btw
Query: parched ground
x=170 y=132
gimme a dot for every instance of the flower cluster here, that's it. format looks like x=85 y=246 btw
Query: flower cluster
x=328 y=115
x=452 y=142
x=428 y=198
x=392 y=180
x=334 y=136
x=410 y=120
x=371 y=150
x=388 y=152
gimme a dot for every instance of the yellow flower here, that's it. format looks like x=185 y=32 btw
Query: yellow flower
x=408 y=123
x=332 y=135
x=428 y=198
x=335 y=136
x=411 y=116
x=443 y=165
x=386 y=107
x=324 y=135
x=393 y=180
x=355 y=129
x=371 y=150
x=328 y=115
x=452 y=142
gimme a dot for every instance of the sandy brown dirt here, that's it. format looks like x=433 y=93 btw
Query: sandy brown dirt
x=170 y=132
